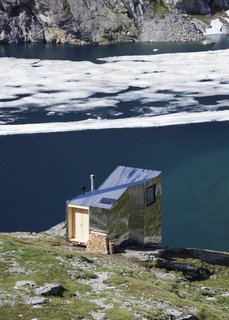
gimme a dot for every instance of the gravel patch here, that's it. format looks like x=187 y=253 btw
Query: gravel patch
x=97 y=315
x=174 y=27
x=98 y=283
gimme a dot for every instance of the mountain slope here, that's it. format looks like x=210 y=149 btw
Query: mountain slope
x=43 y=277
x=98 y=21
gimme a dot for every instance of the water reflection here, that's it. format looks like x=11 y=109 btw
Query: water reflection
x=69 y=52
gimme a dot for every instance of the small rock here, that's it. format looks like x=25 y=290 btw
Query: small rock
x=207 y=291
x=54 y=289
x=36 y=300
x=162 y=275
x=21 y=285
x=210 y=298
x=36 y=306
x=188 y=317
x=77 y=294
x=7 y=303
x=173 y=313
x=97 y=315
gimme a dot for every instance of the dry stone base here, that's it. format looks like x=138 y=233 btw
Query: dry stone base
x=98 y=243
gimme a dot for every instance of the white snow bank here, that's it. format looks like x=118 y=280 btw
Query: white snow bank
x=137 y=122
x=216 y=26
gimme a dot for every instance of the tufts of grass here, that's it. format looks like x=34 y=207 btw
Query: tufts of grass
x=51 y=260
x=159 y=8
x=57 y=309
x=204 y=18
x=118 y=313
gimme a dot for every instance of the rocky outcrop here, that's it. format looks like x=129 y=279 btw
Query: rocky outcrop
x=18 y=24
x=69 y=21
x=50 y=289
x=207 y=7
x=98 y=21
x=58 y=230
x=190 y=272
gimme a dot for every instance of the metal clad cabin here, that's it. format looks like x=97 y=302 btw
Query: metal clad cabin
x=126 y=207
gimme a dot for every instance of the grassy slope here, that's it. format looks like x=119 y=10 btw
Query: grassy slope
x=128 y=291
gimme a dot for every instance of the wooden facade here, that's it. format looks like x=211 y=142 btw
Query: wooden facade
x=78 y=224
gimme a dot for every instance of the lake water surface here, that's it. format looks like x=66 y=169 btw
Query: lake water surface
x=39 y=172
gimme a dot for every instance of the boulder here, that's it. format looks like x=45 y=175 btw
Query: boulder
x=50 y=289
x=25 y=284
x=36 y=300
x=190 y=272
x=58 y=230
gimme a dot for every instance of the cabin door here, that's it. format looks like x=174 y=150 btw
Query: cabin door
x=81 y=227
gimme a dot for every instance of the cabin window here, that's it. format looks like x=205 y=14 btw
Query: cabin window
x=150 y=195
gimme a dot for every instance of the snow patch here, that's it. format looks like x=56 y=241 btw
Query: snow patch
x=216 y=26
x=136 y=122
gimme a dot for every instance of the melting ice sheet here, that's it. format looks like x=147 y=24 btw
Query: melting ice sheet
x=117 y=92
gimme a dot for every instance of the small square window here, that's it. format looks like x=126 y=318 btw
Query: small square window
x=150 y=195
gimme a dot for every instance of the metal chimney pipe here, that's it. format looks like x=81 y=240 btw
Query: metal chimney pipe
x=92 y=177
x=83 y=189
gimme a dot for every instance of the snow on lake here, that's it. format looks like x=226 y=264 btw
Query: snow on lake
x=116 y=92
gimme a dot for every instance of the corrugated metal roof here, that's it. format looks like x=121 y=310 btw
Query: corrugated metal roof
x=114 y=186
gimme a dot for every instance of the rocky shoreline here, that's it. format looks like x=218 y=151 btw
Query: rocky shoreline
x=101 y=22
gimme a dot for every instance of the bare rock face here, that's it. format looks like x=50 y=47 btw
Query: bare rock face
x=198 y=6
x=98 y=21
x=17 y=24
x=58 y=230
x=69 y=21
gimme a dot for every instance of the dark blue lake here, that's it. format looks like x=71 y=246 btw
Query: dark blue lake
x=91 y=53
x=40 y=172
